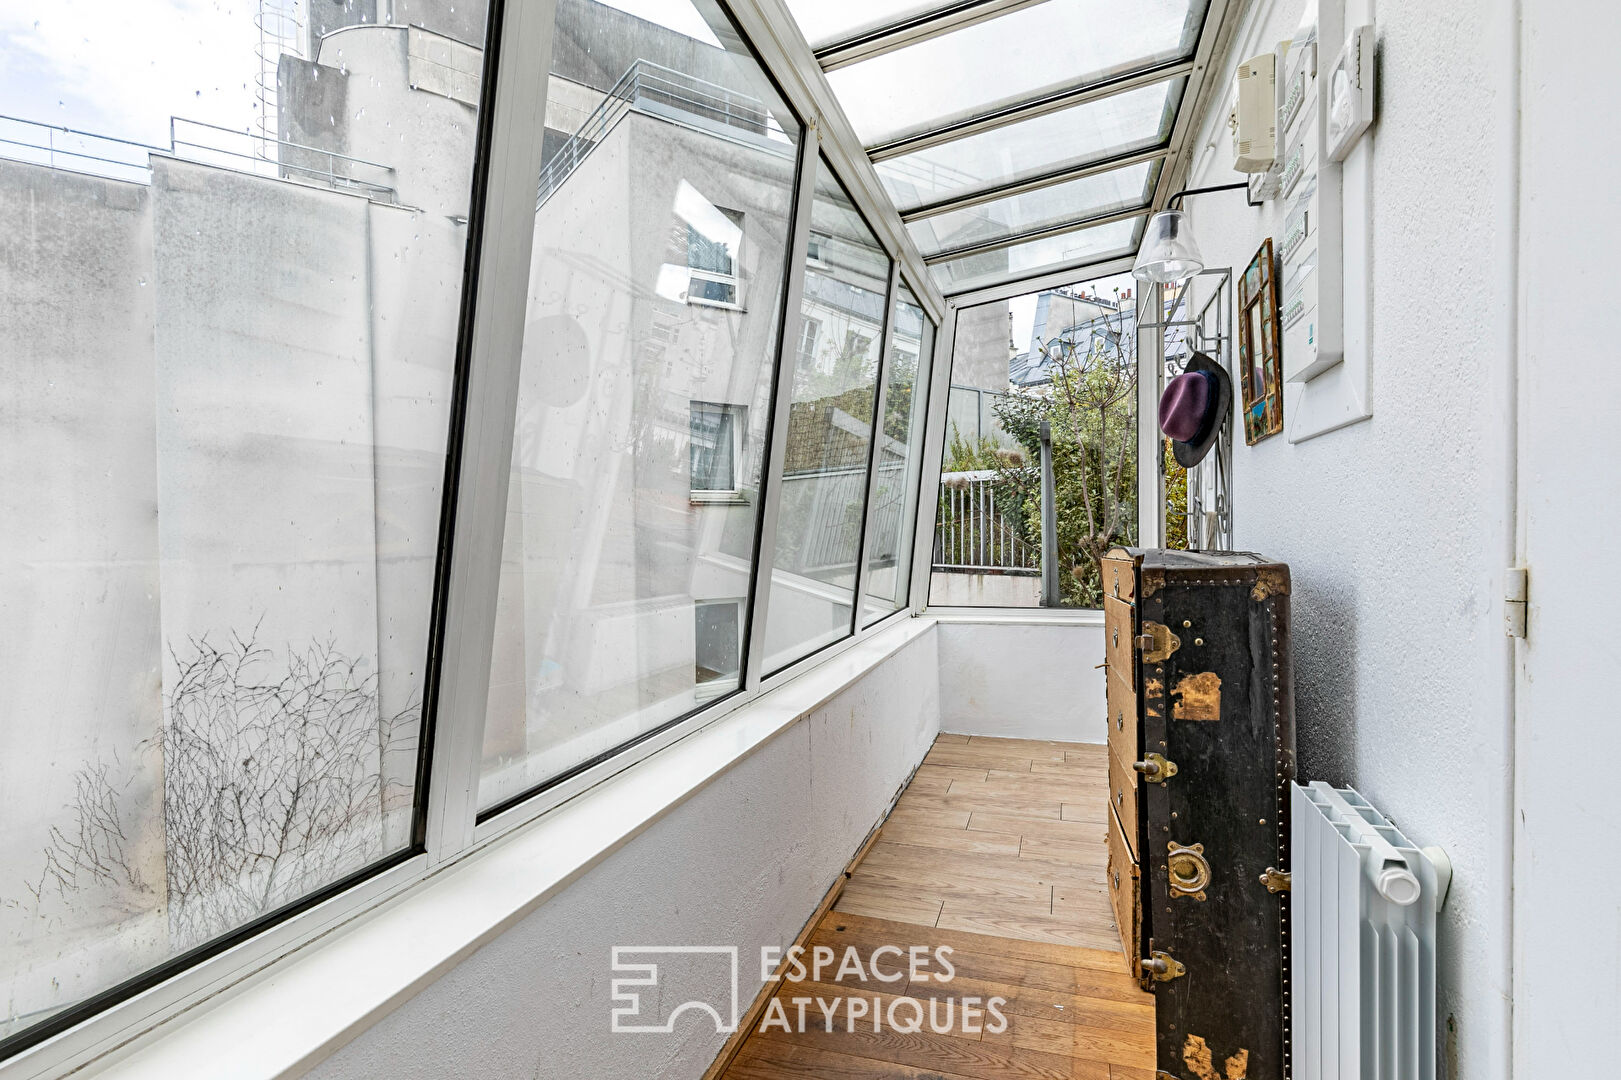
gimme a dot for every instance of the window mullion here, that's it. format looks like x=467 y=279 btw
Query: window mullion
x=933 y=450
x=781 y=405
x=876 y=448
x=493 y=340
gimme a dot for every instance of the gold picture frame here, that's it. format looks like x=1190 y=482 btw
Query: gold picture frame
x=1260 y=362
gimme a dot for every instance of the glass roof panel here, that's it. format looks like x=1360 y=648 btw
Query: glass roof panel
x=1097 y=243
x=1118 y=189
x=825 y=22
x=1134 y=120
x=1006 y=60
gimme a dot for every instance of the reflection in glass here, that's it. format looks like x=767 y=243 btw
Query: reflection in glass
x=894 y=512
x=1009 y=59
x=1074 y=366
x=644 y=391
x=229 y=294
x=1133 y=120
x=829 y=436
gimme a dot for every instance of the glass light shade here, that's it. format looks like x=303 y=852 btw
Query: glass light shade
x=1168 y=253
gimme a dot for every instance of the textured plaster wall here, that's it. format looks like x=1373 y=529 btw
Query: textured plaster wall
x=1397 y=529
x=1022 y=681
x=744 y=862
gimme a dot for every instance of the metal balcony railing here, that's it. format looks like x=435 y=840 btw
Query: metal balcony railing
x=654 y=88
x=974 y=530
x=193 y=140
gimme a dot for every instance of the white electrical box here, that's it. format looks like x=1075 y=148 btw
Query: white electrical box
x=1255 y=116
x=1311 y=270
x=1350 y=93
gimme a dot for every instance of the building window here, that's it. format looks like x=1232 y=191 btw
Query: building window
x=816 y=250
x=810 y=332
x=717 y=633
x=712 y=261
x=716 y=450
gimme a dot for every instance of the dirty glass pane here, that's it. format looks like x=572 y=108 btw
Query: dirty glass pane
x=1118 y=189
x=1134 y=120
x=230 y=284
x=829 y=436
x=1073 y=364
x=1018 y=56
x=644 y=392
x=1054 y=252
x=894 y=512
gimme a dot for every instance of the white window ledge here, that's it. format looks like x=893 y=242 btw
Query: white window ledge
x=990 y=616
x=289 y=1017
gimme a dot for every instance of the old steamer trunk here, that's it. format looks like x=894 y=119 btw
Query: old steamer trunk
x=1201 y=729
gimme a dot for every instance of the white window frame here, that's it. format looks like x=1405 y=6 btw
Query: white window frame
x=710 y=689
x=731 y=280
x=733 y=494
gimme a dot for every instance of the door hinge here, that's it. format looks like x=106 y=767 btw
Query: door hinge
x=1157 y=642
x=1516 y=597
x=1163 y=967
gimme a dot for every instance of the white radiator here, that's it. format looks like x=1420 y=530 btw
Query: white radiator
x=1362 y=927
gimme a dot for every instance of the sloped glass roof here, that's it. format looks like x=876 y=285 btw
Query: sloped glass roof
x=1026 y=53
x=1012 y=136
x=1048 y=143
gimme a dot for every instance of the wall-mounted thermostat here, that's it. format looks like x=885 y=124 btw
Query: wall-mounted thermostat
x=1350 y=94
x=1254 y=118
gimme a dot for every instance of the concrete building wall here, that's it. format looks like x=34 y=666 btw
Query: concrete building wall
x=743 y=862
x=245 y=443
x=606 y=550
x=1394 y=528
x=79 y=606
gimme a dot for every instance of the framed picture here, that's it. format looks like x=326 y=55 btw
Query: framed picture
x=1259 y=362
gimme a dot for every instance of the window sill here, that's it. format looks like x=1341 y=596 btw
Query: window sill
x=718 y=498
x=321 y=997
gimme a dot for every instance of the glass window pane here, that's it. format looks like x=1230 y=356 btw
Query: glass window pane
x=1006 y=60
x=894 y=514
x=1118 y=189
x=1074 y=365
x=1096 y=243
x=225 y=392
x=824 y=482
x=654 y=298
x=825 y=22
x=1134 y=120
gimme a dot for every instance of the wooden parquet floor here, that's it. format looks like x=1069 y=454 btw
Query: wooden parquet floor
x=996 y=849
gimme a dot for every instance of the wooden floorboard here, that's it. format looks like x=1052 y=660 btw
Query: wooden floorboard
x=996 y=850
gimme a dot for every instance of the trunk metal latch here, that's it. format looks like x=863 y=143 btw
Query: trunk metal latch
x=1155 y=768
x=1157 y=642
x=1163 y=966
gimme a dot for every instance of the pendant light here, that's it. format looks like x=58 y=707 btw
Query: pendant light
x=1168 y=253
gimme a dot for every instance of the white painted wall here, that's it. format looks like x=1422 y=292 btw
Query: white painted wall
x=1567 y=956
x=1397 y=529
x=1022 y=680
x=743 y=862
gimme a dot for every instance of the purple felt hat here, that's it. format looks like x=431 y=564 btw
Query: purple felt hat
x=1192 y=408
